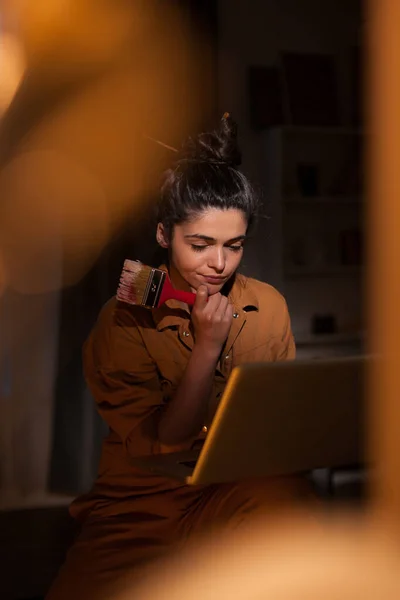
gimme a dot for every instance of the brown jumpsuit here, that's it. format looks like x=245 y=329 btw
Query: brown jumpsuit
x=134 y=359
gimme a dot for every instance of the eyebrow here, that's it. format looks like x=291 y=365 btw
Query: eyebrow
x=206 y=238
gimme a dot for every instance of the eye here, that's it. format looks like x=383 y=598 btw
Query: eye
x=198 y=248
x=235 y=248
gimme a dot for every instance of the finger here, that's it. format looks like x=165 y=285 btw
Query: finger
x=228 y=316
x=201 y=298
x=212 y=305
x=220 y=311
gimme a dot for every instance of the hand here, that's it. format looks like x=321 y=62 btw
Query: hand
x=212 y=319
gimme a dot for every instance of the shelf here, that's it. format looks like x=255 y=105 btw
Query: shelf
x=318 y=244
x=302 y=201
x=322 y=272
x=19 y=501
x=329 y=339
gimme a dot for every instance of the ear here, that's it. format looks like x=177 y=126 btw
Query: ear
x=161 y=236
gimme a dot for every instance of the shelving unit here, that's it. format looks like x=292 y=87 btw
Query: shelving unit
x=330 y=339
x=315 y=203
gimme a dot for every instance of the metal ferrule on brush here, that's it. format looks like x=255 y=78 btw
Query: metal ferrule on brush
x=154 y=288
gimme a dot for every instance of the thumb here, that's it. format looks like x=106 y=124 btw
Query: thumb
x=201 y=297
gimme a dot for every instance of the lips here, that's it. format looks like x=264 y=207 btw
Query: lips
x=215 y=280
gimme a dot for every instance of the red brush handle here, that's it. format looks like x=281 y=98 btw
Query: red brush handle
x=170 y=293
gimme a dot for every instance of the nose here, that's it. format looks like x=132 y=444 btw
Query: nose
x=216 y=259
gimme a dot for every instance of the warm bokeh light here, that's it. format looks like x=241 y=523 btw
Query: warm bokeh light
x=53 y=212
x=91 y=32
x=3 y=282
x=77 y=159
x=12 y=67
x=383 y=101
x=293 y=558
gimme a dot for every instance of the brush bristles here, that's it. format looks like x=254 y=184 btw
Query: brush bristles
x=133 y=282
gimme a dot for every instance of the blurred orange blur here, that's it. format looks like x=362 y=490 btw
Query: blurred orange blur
x=74 y=162
x=294 y=557
x=84 y=84
x=12 y=66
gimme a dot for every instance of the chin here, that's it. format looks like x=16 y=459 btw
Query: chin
x=212 y=289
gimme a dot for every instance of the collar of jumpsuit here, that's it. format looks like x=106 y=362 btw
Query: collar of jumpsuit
x=176 y=314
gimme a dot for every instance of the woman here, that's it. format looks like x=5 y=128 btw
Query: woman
x=157 y=376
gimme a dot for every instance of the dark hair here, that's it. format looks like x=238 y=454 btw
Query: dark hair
x=206 y=176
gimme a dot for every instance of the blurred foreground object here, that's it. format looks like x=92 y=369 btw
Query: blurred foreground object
x=293 y=558
x=73 y=34
x=12 y=67
x=75 y=166
x=383 y=106
x=76 y=175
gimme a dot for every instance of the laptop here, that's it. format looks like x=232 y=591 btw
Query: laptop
x=278 y=419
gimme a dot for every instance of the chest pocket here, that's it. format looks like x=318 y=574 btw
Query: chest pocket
x=169 y=355
x=257 y=352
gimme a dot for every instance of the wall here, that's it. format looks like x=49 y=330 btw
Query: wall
x=255 y=32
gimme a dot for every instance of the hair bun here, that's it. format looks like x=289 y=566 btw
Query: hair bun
x=217 y=146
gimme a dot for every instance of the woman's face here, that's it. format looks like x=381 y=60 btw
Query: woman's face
x=206 y=250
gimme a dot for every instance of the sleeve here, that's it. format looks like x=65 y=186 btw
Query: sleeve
x=283 y=345
x=124 y=382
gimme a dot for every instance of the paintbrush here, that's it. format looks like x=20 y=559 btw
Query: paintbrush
x=143 y=285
